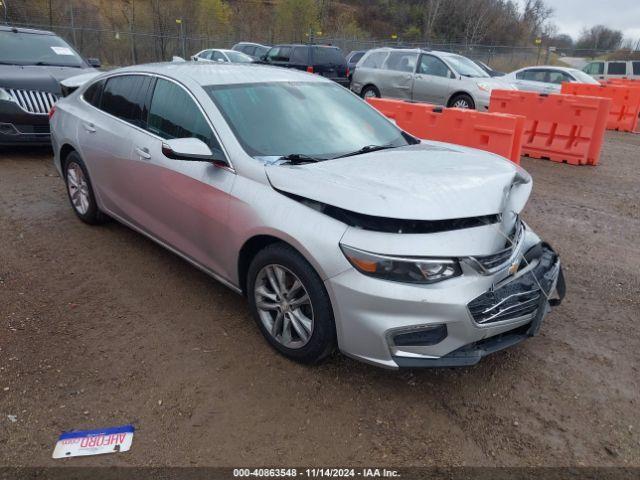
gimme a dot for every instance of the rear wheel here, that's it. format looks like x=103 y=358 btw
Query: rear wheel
x=370 y=91
x=462 y=100
x=290 y=304
x=80 y=191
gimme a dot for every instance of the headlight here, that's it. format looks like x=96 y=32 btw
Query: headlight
x=402 y=269
x=4 y=95
x=485 y=87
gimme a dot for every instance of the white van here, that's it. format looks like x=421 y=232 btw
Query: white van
x=601 y=70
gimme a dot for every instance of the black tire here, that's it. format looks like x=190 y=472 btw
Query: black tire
x=463 y=98
x=92 y=215
x=322 y=341
x=370 y=89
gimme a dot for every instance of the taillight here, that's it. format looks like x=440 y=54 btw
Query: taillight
x=52 y=112
x=310 y=69
x=348 y=72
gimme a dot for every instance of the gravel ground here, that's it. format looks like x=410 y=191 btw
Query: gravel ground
x=101 y=327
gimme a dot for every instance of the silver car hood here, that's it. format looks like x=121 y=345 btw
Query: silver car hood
x=430 y=181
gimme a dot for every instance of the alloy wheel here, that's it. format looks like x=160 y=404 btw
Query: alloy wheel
x=284 y=306
x=78 y=188
x=461 y=103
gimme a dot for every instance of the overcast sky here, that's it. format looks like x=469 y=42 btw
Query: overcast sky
x=573 y=15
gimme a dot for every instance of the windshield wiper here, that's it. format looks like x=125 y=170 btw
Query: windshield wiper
x=46 y=64
x=367 y=149
x=300 y=158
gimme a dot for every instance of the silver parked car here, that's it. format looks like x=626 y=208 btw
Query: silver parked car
x=546 y=79
x=339 y=228
x=427 y=76
x=221 y=56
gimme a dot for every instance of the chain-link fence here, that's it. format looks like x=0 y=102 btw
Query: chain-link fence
x=119 y=35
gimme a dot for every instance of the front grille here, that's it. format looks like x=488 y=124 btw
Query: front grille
x=521 y=296
x=488 y=309
x=34 y=101
x=494 y=262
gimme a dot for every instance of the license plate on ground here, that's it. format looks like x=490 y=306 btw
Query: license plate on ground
x=94 y=442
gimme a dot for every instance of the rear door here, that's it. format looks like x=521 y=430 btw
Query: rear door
x=183 y=203
x=434 y=81
x=395 y=78
x=300 y=58
x=105 y=137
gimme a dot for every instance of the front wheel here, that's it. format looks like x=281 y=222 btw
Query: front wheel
x=370 y=91
x=462 y=101
x=290 y=304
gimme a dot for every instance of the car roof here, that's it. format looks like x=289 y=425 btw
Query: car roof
x=251 y=44
x=306 y=45
x=549 y=67
x=8 y=28
x=223 y=73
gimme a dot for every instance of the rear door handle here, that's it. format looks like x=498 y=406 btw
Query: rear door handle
x=89 y=127
x=143 y=152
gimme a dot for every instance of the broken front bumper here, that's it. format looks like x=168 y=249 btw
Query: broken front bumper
x=454 y=324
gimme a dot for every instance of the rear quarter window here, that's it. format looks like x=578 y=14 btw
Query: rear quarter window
x=300 y=55
x=325 y=55
x=93 y=94
x=636 y=68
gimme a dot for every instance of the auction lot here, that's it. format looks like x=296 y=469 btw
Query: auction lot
x=102 y=327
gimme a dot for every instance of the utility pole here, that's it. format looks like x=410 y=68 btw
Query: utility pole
x=184 y=46
x=73 y=26
x=6 y=13
x=50 y=15
x=134 y=59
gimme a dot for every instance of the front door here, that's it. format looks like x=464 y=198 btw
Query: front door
x=182 y=203
x=434 y=81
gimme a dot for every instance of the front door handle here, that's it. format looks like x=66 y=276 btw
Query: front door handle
x=143 y=152
x=89 y=127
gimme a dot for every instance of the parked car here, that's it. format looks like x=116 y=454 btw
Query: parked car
x=352 y=60
x=601 y=70
x=339 y=228
x=221 y=56
x=546 y=79
x=32 y=64
x=254 y=50
x=427 y=76
x=324 y=60
x=488 y=70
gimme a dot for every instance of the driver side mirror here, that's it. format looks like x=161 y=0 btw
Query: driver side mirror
x=190 y=149
x=94 y=62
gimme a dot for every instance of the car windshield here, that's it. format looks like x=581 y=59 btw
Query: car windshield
x=465 y=67
x=320 y=120
x=34 y=49
x=583 y=77
x=238 y=57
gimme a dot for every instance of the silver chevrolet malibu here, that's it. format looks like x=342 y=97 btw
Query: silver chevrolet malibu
x=339 y=228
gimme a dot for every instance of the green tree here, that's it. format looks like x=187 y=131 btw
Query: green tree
x=295 y=19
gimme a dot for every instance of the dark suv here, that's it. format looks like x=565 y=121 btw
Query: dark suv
x=324 y=60
x=32 y=64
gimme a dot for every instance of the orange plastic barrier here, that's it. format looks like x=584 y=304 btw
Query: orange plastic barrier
x=625 y=102
x=500 y=134
x=561 y=128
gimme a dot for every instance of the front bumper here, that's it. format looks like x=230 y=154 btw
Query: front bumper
x=18 y=127
x=370 y=313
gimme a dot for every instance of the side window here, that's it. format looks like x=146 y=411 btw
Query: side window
x=430 y=65
x=535 y=75
x=217 y=56
x=355 y=58
x=636 y=68
x=300 y=56
x=93 y=94
x=206 y=55
x=617 y=68
x=174 y=114
x=402 y=61
x=559 y=77
x=125 y=97
x=375 y=60
x=595 y=68
x=249 y=50
x=284 y=54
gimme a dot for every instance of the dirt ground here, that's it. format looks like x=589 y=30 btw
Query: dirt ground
x=101 y=327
